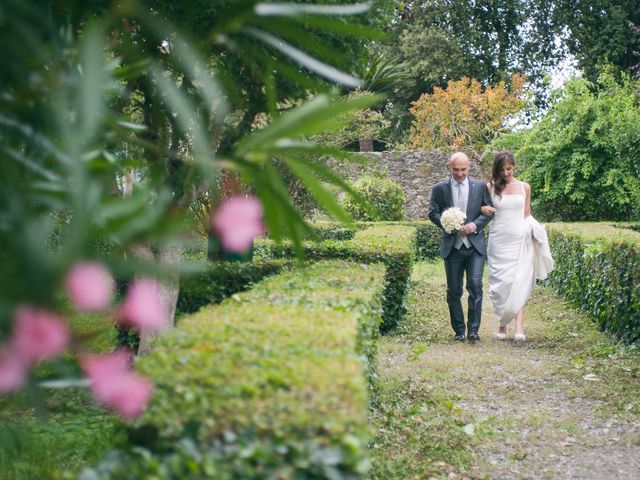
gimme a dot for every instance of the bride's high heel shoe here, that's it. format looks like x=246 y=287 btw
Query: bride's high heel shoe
x=500 y=335
x=520 y=337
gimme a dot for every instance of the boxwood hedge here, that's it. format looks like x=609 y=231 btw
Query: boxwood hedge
x=598 y=269
x=393 y=245
x=427 y=237
x=332 y=231
x=222 y=279
x=268 y=384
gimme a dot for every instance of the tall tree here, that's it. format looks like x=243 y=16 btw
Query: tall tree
x=464 y=116
x=582 y=157
x=600 y=32
x=488 y=40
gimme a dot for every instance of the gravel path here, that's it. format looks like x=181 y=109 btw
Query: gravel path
x=559 y=406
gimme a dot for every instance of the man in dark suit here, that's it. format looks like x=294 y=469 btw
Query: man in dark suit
x=463 y=251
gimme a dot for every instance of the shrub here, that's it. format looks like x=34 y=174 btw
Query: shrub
x=393 y=245
x=268 y=384
x=428 y=240
x=597 y=267
x=222 y=280
x=427 y=237
x=581 y=159
x=385 y=197
x=465 y=115
x=332 y=231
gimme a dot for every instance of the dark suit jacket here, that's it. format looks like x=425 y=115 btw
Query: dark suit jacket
x=442 y=198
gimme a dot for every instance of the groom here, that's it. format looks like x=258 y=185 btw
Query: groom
x=463 y=251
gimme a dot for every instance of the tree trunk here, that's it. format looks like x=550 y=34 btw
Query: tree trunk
x=168 y=289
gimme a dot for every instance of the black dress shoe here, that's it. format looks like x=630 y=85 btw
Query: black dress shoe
x=459 y=338
x=474 y=337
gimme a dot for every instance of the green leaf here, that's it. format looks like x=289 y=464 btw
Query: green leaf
x=305 y=60
x=36 y=139
x=315 y=116
x=321 y=194
x=31 y=165
x=297 y=33
x=132 y=70
x=93 y=84
x=339 y=26
x=294 y=225
x=132 y=126
x=197 y=68
x=291 y=145
x=294 y=9
x=141 y=221
x=331 y=177
x=190 y=124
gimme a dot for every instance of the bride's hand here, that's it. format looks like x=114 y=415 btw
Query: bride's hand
x=487 y=210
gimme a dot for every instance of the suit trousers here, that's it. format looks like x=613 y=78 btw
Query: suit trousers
x=460 y=262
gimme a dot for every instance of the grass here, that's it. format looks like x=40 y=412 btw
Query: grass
x=57 y=430
x=71 y=434
x=502 y=409
x=420 y=430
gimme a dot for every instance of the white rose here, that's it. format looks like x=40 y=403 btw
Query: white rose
x=452 y=219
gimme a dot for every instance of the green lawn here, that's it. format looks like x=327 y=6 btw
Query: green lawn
x=64 y=430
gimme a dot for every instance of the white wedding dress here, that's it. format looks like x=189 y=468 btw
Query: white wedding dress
x=518 y=254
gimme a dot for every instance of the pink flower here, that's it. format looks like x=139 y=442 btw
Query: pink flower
x=13 y=371
x=38 y=334
x=105 y=366
x=238 y=221
x=142 y=308
x=115 y=386
x=90 y=286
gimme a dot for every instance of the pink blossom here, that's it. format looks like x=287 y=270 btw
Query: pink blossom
x=38 y=334
x=142 y=308
x=238 y=221
x=115 y=386
x=109 y=365
x=13 y=371
x=90 y=286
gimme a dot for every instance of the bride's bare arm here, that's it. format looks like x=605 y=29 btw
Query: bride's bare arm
x=527 y=203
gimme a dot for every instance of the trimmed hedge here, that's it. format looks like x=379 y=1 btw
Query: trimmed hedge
x=427 y=237
x=268 y=384
x=428 y=240
x=332 y=231
x=222 y=280
x=218 y=281
x=384 y=196
x=597 y=268
x=393 y=245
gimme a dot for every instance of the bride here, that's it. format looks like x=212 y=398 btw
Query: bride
x=518 y=252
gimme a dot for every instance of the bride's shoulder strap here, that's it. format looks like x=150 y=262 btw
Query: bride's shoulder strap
x=524 y=190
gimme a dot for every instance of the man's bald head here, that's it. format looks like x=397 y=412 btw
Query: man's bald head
x=459 y=166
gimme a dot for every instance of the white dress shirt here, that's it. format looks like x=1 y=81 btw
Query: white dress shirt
x=460 y=192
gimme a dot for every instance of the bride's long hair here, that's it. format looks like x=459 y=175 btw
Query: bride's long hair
x=498 y=183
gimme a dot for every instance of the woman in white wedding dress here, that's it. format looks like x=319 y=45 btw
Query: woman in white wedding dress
x=518 y=251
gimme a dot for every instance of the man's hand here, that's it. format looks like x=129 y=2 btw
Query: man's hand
x=468 y=229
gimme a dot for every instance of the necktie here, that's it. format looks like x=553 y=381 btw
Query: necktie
x=461 y=204
x=461 y=201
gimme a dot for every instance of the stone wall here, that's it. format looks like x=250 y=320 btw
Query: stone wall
x=415 y=170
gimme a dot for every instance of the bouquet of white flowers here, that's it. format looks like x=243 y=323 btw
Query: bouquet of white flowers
x=452 y=219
